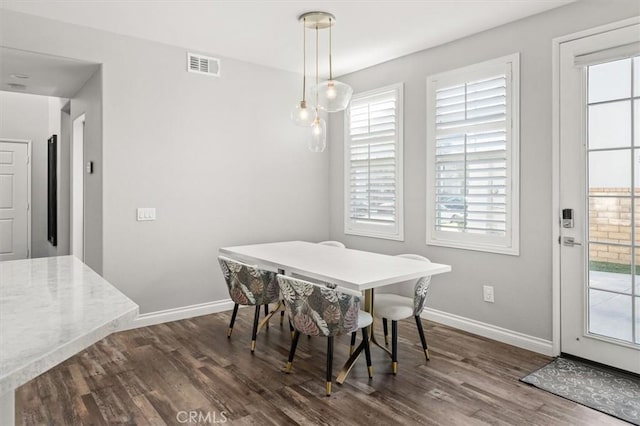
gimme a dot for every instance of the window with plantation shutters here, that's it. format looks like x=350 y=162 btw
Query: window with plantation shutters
x=472 y=157
x=373 y=164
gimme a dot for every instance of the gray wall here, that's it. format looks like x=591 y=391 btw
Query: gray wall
x=64 y=179
x=88 y=101
x=522 y=284
x=217 y=157
x=35 y=118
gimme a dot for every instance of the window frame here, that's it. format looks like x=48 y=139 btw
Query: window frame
x=352 y=227
x=510 y=243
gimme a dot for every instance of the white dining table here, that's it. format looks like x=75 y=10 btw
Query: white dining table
x=353 y=269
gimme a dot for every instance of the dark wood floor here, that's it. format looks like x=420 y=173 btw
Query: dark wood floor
x=159 y=375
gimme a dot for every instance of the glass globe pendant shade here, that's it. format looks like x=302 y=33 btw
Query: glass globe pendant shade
x=332 y=95
x=302 y=115
x=318 y=137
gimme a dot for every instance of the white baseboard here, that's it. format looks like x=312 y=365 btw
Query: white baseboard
x=175 y=314
x=490 y=331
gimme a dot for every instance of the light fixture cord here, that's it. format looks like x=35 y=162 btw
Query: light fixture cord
x=317 y=77
x=304 y=59
x=330 y=67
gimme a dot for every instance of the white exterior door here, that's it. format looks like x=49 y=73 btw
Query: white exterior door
x=599 y=89
x=15 y=193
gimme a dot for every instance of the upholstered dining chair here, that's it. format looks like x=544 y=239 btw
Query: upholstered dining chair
x=337 y=244
x=250 y=286
x=323 y=243
x=332 y=244
x=316 y=310
x=400 y=301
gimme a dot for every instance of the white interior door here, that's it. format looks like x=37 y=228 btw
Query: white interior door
x=600 y=183
x=15 y=193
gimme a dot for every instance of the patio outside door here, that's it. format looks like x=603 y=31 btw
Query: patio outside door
x=600 y=188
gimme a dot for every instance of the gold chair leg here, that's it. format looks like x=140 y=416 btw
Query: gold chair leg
x=328 y=388
x=288 y=367
x=253 y=345
x=426 y=353
x=394 y=367
x=229 y=331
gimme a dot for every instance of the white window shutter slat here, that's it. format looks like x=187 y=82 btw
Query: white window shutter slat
x=473 y=157
x=372 y=178
x=471 y=152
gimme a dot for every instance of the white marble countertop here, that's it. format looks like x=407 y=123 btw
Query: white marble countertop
x=50 y=309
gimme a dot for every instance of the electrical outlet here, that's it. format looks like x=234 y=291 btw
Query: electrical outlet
x=488 y=293
x=146 y=214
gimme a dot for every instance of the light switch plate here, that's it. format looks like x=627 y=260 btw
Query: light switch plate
x=488 y=294
x=146 y=213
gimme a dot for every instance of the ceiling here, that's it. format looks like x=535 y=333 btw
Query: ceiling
x=267 y=32
x=47 y=75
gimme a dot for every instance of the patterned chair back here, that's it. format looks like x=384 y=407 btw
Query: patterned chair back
x=421 y=286
x=415 y=289
x=316 y=310
x=247 y=284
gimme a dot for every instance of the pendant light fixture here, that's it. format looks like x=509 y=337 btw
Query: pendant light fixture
x=301 y=113
x=329 y=96
x=332 y=95
x=318 y=140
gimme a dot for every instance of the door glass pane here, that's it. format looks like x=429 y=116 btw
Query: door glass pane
x=610 y=315
x=614 y=212
x=610 y=220
x=636 y=76
x=637 y=319
x=610 y=125
x=610 y=268
x=637 y=272
x=609 y=81
x=636 y=122
x=610 y=171
x=636 y=219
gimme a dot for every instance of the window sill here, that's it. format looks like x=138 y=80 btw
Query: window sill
x=511 y=251
x=370 y=234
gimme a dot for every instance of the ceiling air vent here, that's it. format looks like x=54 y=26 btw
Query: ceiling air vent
x=203 y=65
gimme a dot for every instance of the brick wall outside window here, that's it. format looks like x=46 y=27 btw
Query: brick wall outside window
x=610 y=222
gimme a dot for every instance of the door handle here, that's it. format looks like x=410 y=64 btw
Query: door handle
x=570 y=242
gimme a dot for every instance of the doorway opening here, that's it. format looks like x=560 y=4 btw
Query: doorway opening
x=50 y=95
